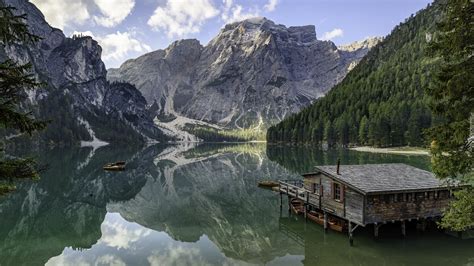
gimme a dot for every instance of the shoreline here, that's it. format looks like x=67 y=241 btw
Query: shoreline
x=394 y=150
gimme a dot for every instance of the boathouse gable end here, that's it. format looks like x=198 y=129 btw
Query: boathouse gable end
x=350 y=204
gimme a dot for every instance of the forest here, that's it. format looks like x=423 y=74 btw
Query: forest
x=382 y=101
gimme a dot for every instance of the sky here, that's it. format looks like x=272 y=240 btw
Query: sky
x=129 y=28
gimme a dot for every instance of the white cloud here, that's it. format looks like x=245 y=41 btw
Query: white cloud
x=333 y=34
x=178 y=18
x=61 y=13
x=174 y=255
x=114 y=11
x=121 y=235
x=271 y=5
x=110 y=260
x=118 y=46
x=232 y=13
x=64 y=13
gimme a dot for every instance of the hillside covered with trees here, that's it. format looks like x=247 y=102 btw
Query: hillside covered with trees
x=381 y=102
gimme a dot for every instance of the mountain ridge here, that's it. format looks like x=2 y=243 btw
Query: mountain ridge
x=74 y=97
x=253 y=73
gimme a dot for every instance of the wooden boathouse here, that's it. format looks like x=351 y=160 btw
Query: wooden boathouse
x=359 y=195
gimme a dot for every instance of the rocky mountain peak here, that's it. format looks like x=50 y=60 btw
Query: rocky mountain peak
x=252 y=74
x=183 y=50
x=251 y=23
x=253 y=29
x=364 y=44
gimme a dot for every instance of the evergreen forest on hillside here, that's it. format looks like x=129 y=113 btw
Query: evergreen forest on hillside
x=381 y=102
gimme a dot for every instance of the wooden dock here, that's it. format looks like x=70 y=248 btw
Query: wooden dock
x=350 y=196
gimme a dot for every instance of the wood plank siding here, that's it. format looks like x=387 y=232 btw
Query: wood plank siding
x=405 y=206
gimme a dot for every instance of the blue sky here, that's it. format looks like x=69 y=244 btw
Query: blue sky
x=128 y=28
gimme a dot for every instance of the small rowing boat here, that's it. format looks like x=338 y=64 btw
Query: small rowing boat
x=268 y=183
x=333 y=223
x=117 y=166
x=297 y=206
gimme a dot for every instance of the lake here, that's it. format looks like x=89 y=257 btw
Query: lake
x=189 y=204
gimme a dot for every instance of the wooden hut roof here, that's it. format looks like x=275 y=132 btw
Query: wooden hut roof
x=380 y=178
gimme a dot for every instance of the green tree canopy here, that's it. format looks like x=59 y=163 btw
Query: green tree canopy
x=15 y=80
x=452 y=100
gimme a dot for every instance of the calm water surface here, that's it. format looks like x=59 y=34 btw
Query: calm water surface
x=199 y=205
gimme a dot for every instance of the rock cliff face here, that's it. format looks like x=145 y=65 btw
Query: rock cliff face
x=125 y=102
x=75 y=74
x=253 y=73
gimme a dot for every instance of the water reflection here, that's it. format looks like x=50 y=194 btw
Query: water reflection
x=188 y=204
x=126 y=243
x=302 y=159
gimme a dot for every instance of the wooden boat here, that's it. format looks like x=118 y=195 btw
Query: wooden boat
x=268 y=183
x=297 y=206
x=117 y=166
x=333 y=223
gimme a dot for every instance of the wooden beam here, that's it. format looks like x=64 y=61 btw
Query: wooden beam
x=376 y=230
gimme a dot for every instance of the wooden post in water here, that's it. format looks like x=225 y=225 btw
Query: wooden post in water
x=403 y=228
x=325 y=222
x=306 y=206
x=351 y=240
x=422 y=225
x=376 y=230
x=289 y=204
x=281 y=200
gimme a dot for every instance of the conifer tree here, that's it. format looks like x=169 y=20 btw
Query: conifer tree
x=452 y=100
x=15 y=79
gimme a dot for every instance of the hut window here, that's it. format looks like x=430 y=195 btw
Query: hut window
x=400 y=197
x=337 y=191
x=386 y=198
x=440 y=194
x=419 y=196
x=316 y=188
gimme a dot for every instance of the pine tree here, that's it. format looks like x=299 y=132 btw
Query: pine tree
x=363 y=130
x=452 y=100
x=14 y=81
x=329 y=133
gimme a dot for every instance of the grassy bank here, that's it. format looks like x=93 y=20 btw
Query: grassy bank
x=394 y=150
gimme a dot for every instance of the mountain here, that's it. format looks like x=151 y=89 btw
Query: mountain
x=252 y=74
x=78 y=99
x=381 y=102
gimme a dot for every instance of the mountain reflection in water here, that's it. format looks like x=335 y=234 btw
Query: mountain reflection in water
x=191 y=204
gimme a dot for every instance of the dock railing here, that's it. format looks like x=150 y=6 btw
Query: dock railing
x=294 y=188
